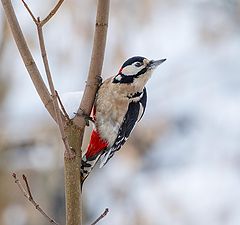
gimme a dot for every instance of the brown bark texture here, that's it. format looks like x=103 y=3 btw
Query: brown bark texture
x=73 y=129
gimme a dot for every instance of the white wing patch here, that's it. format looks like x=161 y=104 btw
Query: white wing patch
x=104 y=158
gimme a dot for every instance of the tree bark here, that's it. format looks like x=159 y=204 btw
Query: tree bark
x=73 y=195
x=74 y=129
x=72 y=167
x=97 y=58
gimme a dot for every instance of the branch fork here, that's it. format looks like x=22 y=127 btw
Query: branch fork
x=71 y=130
x=60 y=118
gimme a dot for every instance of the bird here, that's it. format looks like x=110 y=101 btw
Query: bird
x=119 y=105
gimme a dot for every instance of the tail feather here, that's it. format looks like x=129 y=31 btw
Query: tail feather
x=87 y=166
x=104 y=158
x=95 y=149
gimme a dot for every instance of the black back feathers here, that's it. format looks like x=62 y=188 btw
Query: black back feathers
x=133 y=115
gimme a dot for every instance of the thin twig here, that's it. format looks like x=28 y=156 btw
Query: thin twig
x=106 y=211
x=27 y=185
x=29 y=11
x=68 y=151
x=48 y=17
x=62 y=106
x=27 y=194
x=75 y=132
x=39 y=25
x=27 y=57
x=52 y=13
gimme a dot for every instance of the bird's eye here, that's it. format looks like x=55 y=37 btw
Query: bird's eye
x=138 y=64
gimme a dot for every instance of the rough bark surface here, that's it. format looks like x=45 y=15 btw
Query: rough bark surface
x=72 y=178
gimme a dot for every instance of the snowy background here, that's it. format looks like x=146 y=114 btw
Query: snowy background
x=182 y=164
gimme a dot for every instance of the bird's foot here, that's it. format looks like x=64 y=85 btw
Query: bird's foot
x=86 y=117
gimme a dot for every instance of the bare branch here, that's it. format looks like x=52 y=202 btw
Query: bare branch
x=27 y=185
x=106 y=211
x=97 y=58
x=27 y=58
x=59 y=116
x=72 y=168
x=27 y=194
x=62 y=106
x=74 y=130
x=48 y=17
x=68 y=152
x=30 y=12
x=52 y=13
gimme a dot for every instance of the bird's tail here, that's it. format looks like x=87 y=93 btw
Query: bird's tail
x=95 y=149
x=87 y=166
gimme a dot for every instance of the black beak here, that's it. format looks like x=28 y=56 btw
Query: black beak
x=154 y=63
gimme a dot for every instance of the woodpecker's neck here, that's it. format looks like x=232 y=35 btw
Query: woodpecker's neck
x=140 y=82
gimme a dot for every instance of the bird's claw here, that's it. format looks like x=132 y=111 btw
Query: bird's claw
x=86 y=117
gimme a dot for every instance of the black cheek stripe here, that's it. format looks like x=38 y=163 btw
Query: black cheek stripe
x=127 y=79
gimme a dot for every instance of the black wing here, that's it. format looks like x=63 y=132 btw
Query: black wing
x=133 y=115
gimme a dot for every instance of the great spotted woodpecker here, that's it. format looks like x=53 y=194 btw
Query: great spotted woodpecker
x=120 y=103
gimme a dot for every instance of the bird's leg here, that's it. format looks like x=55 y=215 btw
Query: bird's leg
x=86 y=117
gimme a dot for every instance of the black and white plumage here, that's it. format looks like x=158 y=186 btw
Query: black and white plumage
x=120 y=104
x=134 y=114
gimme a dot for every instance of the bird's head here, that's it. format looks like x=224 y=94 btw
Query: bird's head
x=136 y=69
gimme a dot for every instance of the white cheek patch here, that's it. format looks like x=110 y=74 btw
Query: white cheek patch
x=118 y=77
x=131 y=70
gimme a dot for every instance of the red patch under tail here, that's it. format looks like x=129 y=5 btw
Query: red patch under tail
x=96 y=145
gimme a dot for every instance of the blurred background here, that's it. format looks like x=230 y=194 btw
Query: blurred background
x=182 y=163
